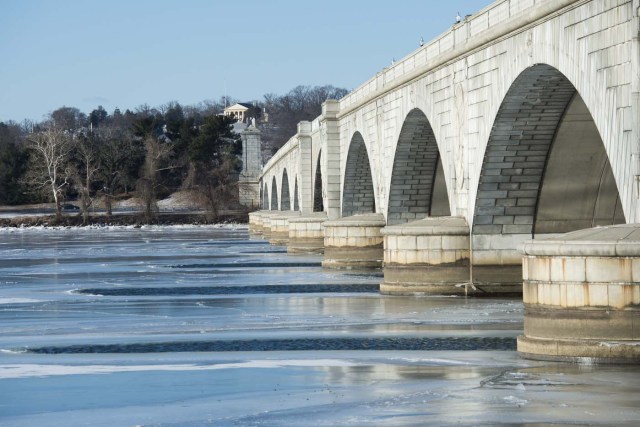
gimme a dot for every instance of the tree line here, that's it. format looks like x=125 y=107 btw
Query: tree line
x=148 y=153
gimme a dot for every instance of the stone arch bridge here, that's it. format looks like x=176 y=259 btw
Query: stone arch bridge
x=520 y=121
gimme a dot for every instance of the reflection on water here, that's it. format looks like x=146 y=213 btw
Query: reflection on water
x=192 y=326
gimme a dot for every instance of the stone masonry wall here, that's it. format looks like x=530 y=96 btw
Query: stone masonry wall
x=517 y=151
x=358 y=196
x=414 y=170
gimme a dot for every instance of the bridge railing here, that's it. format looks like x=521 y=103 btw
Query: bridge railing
x=283 y=151
x=470 y=28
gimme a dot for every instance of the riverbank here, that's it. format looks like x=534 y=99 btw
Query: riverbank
x=180 y=208
x=122 y=219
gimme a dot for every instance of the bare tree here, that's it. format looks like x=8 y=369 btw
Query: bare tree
x=50 y=154
x=286 y=111
x=68 y=118
x=120 y=159
x=214 y=185
x=83 y=169
x=156 y=151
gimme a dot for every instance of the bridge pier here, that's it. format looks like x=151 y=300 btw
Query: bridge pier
x=354 y=242
x=306 y=233
x=280 y=227
x=582 y=296
x=256 y=221
x=266 y=223
x=428 y=256
x=497 y=263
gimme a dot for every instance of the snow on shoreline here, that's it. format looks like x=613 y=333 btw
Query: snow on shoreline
x=97 y=227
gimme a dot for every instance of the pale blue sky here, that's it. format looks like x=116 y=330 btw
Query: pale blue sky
x=123 y=53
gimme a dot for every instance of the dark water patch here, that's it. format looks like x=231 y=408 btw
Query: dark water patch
x=231 y=290
x=243 y=241
x=303 y=344
x=250 y=265
x=362 y=273
x=266 y=251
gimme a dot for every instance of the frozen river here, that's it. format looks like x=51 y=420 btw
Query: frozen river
x=199 y=326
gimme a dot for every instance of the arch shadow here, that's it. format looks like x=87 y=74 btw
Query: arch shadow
x=296 y=203
x=285 y=203
x=418 y=188
x=265 y=197
x=545 y=168
x=274 y=195
x=358 y=195
x=318 y=202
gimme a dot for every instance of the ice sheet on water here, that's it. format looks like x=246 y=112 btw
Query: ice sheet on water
x=41 y=370
x=277 y=388
x=17 y=300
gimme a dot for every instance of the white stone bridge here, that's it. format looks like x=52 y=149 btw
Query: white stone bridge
x=522 y=120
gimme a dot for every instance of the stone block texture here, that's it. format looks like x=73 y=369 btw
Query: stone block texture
x=358 y=196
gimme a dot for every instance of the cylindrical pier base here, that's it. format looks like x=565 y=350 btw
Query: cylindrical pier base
x=427 y=257
x=306 y=233
x=280 y=227
x=581 y=295
x=255 y=221
x=354 y=242
x=266 y=222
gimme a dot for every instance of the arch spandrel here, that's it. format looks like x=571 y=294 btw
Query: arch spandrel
x=516 y=163
x=580 y=69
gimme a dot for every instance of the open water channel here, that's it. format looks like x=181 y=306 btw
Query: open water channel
x=199 y=326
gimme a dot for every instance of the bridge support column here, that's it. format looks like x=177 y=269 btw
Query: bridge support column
x=582 y=296
x=428 y=256
x=280 y=227
x=266 y=223
x=331 y=152
x=306 y=167
x=306 y=233
x=256 y=220
x=354 y=242
x=497 y=263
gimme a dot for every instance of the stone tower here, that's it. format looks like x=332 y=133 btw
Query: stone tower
x=248 y=184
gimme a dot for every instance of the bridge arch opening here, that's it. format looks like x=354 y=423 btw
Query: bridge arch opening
x=274 y=194
x=318 y=202
x=418 y=187
x=265 y=197
x=545 y=168
x=358 y=196
x=285 y=203
x=296 y=203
